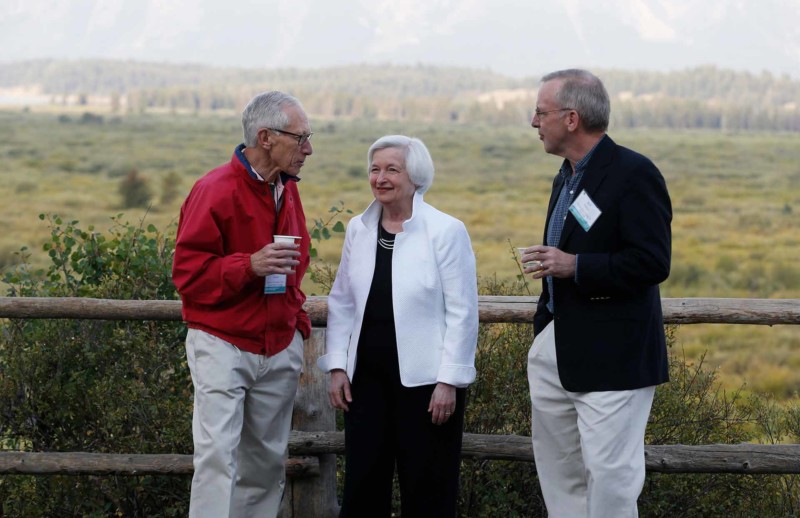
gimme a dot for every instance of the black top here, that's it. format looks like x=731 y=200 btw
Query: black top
x=377 y=329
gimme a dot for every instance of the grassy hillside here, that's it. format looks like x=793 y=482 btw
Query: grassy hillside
x=736 y=198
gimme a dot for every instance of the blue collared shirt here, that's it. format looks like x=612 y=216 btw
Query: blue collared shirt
x=560 y=211
x=275 y=188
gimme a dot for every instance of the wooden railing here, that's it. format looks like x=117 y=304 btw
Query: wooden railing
x=492 y=310
x=314 y=443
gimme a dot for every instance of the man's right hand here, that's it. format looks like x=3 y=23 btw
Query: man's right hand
x=275 y=258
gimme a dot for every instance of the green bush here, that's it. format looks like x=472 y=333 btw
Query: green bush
x=691 y=409
x=498 y=403
x=124 y=387
x=170 y=188
x=91 y=385
x=135 y=190
x=99 y=386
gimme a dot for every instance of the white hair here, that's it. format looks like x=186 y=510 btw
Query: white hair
x=418 y=161
x=266 y=110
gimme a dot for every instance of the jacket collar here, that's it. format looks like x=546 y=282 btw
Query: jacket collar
x=239 y=153
x=596 y=171
x=373 y=213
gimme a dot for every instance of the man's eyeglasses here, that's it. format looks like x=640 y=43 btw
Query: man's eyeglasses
x=539 y=114
x=301 y=139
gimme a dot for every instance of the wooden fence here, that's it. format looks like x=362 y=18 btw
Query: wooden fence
x=314 y=443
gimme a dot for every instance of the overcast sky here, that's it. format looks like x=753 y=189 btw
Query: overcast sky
x=513 y=37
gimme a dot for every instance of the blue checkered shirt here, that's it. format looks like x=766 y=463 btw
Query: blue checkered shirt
x=565 y=197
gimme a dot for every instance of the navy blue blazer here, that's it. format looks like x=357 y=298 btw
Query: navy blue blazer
x=609 y=330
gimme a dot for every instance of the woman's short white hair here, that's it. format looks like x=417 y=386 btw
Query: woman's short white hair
x=419 y=163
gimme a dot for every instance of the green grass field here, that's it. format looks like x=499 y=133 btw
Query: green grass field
x=736 y=201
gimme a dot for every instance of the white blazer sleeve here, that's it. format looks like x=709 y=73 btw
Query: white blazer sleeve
x=456 y=262
x=341 y=312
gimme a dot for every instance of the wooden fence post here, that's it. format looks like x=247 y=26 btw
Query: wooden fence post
x=313 y=496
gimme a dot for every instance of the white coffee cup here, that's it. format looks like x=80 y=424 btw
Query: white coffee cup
x=276 y=283
x=529 y=264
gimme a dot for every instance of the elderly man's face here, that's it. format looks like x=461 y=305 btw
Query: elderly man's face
x=550 y=118
x=285 y=152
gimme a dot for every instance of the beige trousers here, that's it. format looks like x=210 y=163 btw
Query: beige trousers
x=242 y=418
x=588 y=446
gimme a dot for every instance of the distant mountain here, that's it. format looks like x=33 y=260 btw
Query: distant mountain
x=513 y=37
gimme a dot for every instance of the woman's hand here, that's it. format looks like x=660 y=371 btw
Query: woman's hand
x=443 y=403
x=339 y=390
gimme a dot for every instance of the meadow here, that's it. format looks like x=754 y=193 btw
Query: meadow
x=736 y=202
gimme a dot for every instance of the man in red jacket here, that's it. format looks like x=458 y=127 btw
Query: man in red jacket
x=245 y=341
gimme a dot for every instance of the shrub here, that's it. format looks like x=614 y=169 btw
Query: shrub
x=135 y=190
x=26 y=187
x=98 y=386
x=785 y=276
x=123 y=387
x=322 y=228
x=170 y=188
x=498 y=403
x=90 y=118
x=692 y=409
x=95 y=386
x=686 y=275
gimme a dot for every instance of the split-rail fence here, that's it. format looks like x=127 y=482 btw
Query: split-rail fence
x=314 y=442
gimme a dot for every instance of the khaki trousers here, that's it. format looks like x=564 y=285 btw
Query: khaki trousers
x=588 y=446
x=242 y=418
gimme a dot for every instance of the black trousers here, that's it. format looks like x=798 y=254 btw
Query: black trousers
x=389 y=424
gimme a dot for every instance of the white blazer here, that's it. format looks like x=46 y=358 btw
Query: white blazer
x=434 y=295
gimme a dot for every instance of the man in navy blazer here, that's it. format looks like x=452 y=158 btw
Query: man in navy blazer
x=599 y=347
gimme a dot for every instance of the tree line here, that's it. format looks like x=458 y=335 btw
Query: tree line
x=701 y=97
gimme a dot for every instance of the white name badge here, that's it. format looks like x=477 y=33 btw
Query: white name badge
x=585 y=211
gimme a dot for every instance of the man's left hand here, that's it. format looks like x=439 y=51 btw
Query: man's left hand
x=549 y=260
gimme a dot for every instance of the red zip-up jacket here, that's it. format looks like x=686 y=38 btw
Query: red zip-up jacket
x=228 y=216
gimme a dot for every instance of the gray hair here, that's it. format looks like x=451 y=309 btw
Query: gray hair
x=266 y=110
x=419 y=163
x=583 y=92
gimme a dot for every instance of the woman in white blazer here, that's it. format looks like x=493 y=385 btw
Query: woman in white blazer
x=402 y=331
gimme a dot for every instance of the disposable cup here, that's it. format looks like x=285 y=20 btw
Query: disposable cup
x=521 y=252
x=276 y=283
x=286 y=239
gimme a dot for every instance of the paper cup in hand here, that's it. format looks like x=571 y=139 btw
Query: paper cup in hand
x=529 y=264
x=286 y=239
x=521 y=252
x=276 y=283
